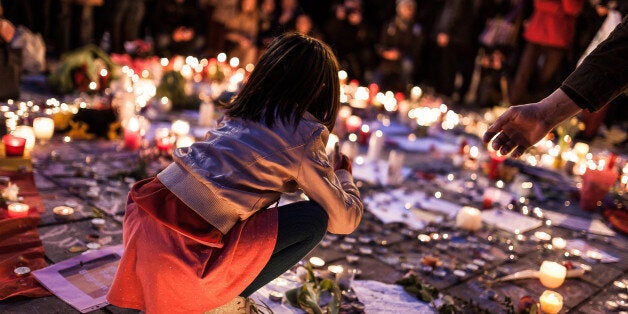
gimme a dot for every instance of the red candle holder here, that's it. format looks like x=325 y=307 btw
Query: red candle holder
x=165 y=143
x=496 y=161
x=132 y=139
x=17 y=210
x=13 y=145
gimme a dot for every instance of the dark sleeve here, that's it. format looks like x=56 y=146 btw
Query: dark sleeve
x=603 y=75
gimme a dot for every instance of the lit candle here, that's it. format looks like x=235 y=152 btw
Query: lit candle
x=469 y=218
x=335 y=269
x=13 y=145
x=44 y=127
x=62 y=213
x=559 y=243
x=353 y=123
x=18 y=210
x=551 y=302
x=542 y=236
x=552 y=274
x=317 y=261
x=494 y=166
x=132 y=136
x=180 y=127
x=581 y=149
x=163 y=140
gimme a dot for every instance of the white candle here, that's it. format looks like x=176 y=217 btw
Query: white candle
x=44 y=127
x=552 y=274
x=551 y=302
x=317 y=261
x=395 y=163
x=559 y=243
x=376 y=145
x=18 y=210
x=469 y=218
x=336 y=269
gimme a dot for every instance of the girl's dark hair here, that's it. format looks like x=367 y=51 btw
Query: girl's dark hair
x=296 y=74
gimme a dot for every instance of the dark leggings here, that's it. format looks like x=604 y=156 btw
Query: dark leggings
x=301 y=226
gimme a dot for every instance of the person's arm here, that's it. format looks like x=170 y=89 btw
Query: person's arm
x=330 y=184
x=602 y=76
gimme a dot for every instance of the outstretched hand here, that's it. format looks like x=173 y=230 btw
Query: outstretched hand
x=523 y=126
x=517 y=129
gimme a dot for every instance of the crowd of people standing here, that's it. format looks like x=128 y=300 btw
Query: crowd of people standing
x=440 y=44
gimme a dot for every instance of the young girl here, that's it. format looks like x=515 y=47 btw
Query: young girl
x=206 y=229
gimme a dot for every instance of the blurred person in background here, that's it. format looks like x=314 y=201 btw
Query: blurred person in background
x=548 y=33
x=399 y=48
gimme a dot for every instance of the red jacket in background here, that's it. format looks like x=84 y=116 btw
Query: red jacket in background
x=553 y=22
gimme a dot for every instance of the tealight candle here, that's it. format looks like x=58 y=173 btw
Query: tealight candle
x=18 y=210
x=335 y=269
x=163 y=140
x=559 y=243
x=552 y=275
x=595 y=255
x=62 y=213
x=44 y=128
x=13 y=145
x=317 y=261
x=469 y=218
x=542 y=236
x=551 y=302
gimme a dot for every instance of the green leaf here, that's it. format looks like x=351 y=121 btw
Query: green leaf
x=534 y=309
x=327 y=284
x=292 y=296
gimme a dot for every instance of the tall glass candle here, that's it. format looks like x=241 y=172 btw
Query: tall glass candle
x=44 y=127
x=376 y=145
x=132 y=135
